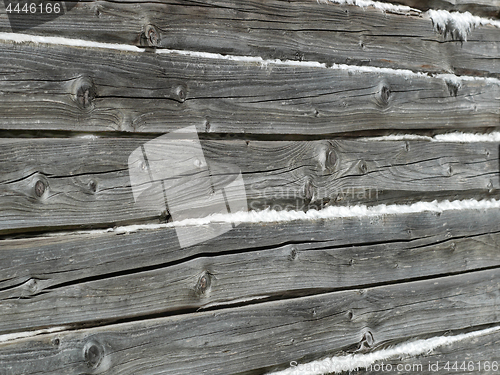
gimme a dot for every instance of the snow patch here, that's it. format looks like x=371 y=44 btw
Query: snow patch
x=328 y=213
x=88 y=136
x=55 y=40
x=457 y=137
x=386 y=7
x=456 y=24
x=353 y=362
x=22 y=335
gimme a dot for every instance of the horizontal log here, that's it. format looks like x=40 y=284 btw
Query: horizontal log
x=207 y=282
x=58 y=183
x=88 y=278
x=75 y=89
x=294 y=30
x=268 y=335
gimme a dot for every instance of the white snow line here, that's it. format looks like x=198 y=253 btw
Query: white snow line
x=25 y=38
x=457 y=137
x=355 y=362
x=21 y=335
x=458 y=25
x=56 y=40
x=386 y=7
x=328 y=213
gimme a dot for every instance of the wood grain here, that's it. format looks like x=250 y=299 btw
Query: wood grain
x=241 y=339
x=102 y=91
x=208 y=282
x=85 y=182
x=294 y=30
x=91 y=278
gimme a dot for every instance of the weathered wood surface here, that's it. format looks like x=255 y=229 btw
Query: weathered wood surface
x=484 y=8
x=265 y=335
x=85 y=182
x=294 y=30
x=68 y=280
x=478 y=354
x=275 y=292
x=104 y=91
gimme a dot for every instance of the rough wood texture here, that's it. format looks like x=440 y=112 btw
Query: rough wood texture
x=295 y=30
x=263 y=294
x=146 y=92
x=85 y=182
x=290 y=270
x=69 y=280
x=241 y=339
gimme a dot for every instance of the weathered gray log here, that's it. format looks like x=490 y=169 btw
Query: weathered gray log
x=294 y=30
x=289 y=270
x=266 y=335
x=64 y=88
x=59 y=183
x=89 y=278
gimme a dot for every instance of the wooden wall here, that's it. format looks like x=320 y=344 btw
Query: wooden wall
x=299 y=95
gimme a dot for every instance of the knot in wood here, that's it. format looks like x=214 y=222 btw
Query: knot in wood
x=85 y=92
x=152 y=36
x=93 y=354
x=383 y=95
x=362 y=166
x=367 y=340
x=181 y=94
x=308 y=190
x=490 y=187
x=203 y=284
x=39 y=188
x=93 y=186
x=32 y=285
x=452 y=88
